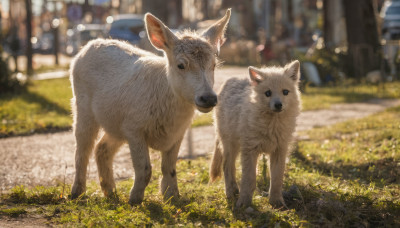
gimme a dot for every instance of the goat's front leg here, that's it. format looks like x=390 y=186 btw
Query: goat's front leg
x=141 y=164
x=169 y=183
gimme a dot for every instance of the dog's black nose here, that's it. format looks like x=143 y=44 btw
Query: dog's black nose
x=278 y=106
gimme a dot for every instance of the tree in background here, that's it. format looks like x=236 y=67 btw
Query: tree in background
x=246 y=16
x=29 y=52
x=169 y=11
x=7 y=82
x=332 y=27
x=362 y=36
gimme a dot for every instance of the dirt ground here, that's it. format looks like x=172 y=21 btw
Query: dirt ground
x=47 y=159
x=24 y=221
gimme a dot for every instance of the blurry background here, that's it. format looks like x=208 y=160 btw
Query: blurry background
x=336 y=39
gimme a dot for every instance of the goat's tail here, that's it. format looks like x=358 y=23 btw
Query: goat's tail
x=215 y=168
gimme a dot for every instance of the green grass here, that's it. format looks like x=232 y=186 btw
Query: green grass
x=323 y=97
x=346 y=175
x=45 y=106
x=49 y=68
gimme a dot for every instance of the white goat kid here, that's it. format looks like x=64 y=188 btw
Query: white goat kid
x=143 y=99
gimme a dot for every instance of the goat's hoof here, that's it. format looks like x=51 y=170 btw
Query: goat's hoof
x=135 y=200
x=243 y=202
x=77 y=191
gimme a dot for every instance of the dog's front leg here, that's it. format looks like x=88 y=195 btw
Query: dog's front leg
x=277 y=163
x=248 y=182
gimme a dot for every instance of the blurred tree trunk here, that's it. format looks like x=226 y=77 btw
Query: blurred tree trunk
x=29 y=53
x=157 y=7
x=1 y=29
x=86 y=7
x=55 y=34
x=169 y=11
x=332 y=13
x=175 y=16
x=205 y=10
x=246 y=16
x=362 y=36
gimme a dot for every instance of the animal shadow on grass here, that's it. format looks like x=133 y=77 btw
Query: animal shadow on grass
x=386 y=169
x=45 y=104
x=167 y=213
x=324 y=208
x=156 y=212
x=346 y=209
x=329 y=209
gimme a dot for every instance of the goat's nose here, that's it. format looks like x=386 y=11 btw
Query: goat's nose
x=278 y=106
x=209 y=100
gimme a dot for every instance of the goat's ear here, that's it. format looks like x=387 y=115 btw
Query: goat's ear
x=292 y=70
x=255 y=76
x=216 y=32
x=159 y=34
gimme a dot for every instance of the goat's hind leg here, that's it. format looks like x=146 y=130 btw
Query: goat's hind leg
x=85 y=130
x=104 y=152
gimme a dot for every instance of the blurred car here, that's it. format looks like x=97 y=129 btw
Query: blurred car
x=35 y=44
x=390 y=14
x=128 y=27
x=81 y=35
x=44 y=44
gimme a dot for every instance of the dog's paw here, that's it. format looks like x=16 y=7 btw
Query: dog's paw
x=277 y=202
x=232 y=193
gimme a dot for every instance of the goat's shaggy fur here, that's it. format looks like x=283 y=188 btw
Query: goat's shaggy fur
x=256 y=116
x=143 y=99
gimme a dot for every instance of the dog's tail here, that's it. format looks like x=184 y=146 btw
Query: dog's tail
x=215 y=168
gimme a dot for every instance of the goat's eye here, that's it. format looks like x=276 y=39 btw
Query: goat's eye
x=268 y=93
x=181 y=66
x=285 y=92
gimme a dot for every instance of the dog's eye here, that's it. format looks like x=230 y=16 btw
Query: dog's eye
x=268 y=93
x=181 y=66
x=285 y=92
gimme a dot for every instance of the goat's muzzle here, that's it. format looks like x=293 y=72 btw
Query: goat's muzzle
x=205 y=103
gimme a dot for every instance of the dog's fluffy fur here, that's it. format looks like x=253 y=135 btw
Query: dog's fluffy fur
x=256 y=116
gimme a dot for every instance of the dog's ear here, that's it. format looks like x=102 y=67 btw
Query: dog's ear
x=292 y=70
x=255 y=76
x=216 y=32
x=159 y=34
